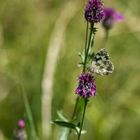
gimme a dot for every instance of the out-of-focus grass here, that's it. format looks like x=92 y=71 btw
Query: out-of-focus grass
x=25 y=29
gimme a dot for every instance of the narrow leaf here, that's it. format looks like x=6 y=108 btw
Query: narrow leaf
x=61 y=116
x=66 y=124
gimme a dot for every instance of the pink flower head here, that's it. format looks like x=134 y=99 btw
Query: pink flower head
x=94 y=12
x=111 y=16
x=21 y=124
x=86 y=86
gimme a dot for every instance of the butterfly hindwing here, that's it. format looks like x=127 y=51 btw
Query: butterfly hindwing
x=101 y=63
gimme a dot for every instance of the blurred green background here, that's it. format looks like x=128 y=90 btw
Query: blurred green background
x=27 y=30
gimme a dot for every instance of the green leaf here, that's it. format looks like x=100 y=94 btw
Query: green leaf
x=82 y=56
x=66 y=124
x=78 y=113
x=32 y=131
x=95 y=30
x=62 y=116
x=78 y=131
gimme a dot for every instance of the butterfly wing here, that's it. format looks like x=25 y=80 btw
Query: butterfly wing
x=101 y=63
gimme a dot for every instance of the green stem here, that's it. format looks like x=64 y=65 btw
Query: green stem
x=88 y=47
x=75 y=108
x=77 y=99
x=84 y=66
x=83 y=116
x=73 y=115
x=106 y=34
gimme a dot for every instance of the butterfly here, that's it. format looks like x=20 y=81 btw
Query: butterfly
x=101 y=63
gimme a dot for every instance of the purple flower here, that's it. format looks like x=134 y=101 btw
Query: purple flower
x=94 y=11
x=20 y=131
x=21 y=124
x=111 y=16
x=86 y=86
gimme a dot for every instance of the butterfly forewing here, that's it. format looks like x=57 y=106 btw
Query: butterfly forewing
x=101 y=63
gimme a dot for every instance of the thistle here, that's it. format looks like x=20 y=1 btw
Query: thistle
x=110 y=17
x=86 y=86
x=94 y=12
x=91 y=63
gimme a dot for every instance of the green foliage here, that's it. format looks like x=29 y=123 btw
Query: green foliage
x=66 y=124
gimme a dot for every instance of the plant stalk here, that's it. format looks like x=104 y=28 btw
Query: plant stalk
x=83 y=116
x=88 y=47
